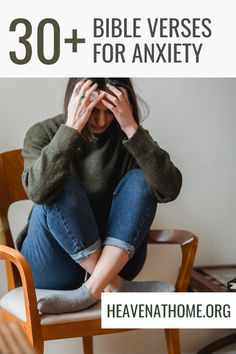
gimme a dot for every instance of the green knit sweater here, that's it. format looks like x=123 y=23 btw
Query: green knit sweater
x=53 y=150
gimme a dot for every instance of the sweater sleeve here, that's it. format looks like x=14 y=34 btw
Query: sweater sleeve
x=47 y=161
x=163 y=178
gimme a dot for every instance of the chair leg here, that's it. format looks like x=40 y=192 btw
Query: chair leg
x=39 y=347
x=172 y=341
x=88 y=345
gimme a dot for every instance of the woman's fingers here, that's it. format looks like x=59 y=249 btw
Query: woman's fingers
x=108 y=104
x=112 y=98
x=83 y=96
x=120 y=106
x=81 y=105
x=96 y=101
x=120 y=94
x=89 y=93
x=77 y=88
x=124 y=91
x=115 y=90
x=90 y=107
x=84 y=88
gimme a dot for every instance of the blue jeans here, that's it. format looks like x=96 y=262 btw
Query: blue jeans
x=65 y=232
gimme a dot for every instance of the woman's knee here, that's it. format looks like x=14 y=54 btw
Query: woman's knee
x=134 y=182
x=72 y=193
x=136 y=179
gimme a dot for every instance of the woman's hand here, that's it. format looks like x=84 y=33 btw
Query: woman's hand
x=81 y=106
x=120 y=106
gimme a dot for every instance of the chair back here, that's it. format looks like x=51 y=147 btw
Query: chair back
x=11 y=189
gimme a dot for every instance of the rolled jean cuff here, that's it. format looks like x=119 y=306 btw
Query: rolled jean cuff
x=112 y=241
x=81 y=255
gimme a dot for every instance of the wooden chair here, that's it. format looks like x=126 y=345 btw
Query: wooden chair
x=20 y=303
x=13 y=339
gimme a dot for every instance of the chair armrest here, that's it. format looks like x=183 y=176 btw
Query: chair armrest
x=174 y=237
x=188 y=243
x=10 y=255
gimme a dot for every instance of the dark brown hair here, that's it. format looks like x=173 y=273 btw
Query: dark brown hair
x=102 y=82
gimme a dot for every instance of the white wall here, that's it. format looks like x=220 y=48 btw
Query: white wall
x=194 y=120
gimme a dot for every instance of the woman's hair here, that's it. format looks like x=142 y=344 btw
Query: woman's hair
x=102 y=82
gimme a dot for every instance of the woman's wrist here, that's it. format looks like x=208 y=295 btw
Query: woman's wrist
x=131 y=130
x=77 y=126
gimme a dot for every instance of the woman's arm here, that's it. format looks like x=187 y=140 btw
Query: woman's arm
x=163 y=178
x=47 y=161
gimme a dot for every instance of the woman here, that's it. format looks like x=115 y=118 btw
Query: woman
x=96 y=176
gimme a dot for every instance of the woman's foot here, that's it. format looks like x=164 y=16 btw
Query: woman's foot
x=81 y=298
x=114 y=285
x=121 y=285
x=67 y=301
x=145 y=286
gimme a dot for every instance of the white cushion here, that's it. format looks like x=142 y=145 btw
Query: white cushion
x=13 y=302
